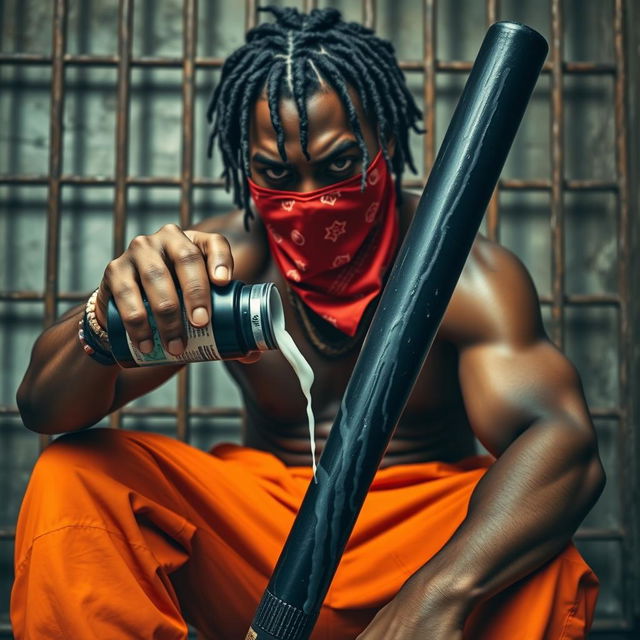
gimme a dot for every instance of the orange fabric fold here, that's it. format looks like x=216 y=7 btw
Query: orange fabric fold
x=125 y=534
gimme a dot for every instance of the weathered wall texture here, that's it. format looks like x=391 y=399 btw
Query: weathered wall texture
x=155 y=111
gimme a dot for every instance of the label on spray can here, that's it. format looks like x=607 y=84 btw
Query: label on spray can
x=201 y=344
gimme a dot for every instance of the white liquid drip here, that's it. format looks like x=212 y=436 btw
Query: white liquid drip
x=305 y=375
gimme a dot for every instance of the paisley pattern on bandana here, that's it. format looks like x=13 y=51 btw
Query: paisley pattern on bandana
x=334 y=245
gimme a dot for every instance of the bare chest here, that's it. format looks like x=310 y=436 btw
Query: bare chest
x=433 y=425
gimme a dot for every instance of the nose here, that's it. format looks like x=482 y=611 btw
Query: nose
x=309 y=183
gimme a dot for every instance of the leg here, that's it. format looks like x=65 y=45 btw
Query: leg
x=409 y=514
x=121 y=534
x=554 y=603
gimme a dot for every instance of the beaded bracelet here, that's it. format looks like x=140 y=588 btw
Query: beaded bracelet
x=93 y=338
x=90 y=314
x=91 y=348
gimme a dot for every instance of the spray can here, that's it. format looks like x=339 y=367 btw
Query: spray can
x=243 y=319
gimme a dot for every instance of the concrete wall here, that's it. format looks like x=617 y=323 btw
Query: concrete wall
x=155 y=111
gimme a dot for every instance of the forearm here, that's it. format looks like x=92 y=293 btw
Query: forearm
x=522 y=513
x=63 y=388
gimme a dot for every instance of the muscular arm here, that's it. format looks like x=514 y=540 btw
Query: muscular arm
x=525 y=403
x=64 y=390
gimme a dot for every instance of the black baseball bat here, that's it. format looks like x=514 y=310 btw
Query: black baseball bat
x=404 y=326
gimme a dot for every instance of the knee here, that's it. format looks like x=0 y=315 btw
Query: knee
x=89 y=449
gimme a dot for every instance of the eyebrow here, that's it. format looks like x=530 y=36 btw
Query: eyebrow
x=346 y=145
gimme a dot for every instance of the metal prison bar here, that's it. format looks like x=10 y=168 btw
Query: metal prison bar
x=430 y=66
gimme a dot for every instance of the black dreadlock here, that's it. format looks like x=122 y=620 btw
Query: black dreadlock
x=290 y=59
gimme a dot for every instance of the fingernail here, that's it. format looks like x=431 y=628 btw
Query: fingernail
x=175 y=347
x=221 y=273
x=146 y=346
x=200 y=316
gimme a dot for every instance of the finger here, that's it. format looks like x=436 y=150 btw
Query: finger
x=120 y=282
x=160 y=291
x=250 y=358
x=189 y=265
x=218 y=254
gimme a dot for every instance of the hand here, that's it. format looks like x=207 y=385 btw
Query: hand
x=417 y=612
x=155 y=265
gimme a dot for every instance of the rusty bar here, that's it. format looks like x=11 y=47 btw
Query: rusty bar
x=589 y=533
x=309 y=5
x=81 y=60
x=216 y=412
x=250 y=14
x=591 y=185
x=157 y=61
x=190 y=24
x=154 y=181
x=464 y=66
x=109 y=181
x=25 y=180
x=175 y=63
x=236 y=412
x=35 y=296
x=25 y=59
x=510 y=184
x=125 y=27
x=595 y=68
x=449 y=66
x=493 y=9
x=429 y=80
x=125 y=30
x=603 y=413
x=609 y=413
x=369 y=13
x=93 y=181
x=602 y=299
x=189 y=39
x=514 y=184
x=593 y=298
x=557 y=174
x=610 y=625
x=56 y=119
x=626 y=437
x=209 y=63
x=493 y=209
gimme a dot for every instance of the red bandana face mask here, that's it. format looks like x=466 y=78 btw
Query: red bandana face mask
x=333 y=245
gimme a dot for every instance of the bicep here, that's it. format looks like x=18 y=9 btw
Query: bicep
x=511 y=374
x=507 y=387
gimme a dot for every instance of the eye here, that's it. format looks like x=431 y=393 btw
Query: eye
x=276 y=174
x=342 y=165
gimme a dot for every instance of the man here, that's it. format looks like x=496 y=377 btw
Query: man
x=125 y=534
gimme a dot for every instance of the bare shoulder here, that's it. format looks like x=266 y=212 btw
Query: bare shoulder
x=249 y=248
x=495 y=300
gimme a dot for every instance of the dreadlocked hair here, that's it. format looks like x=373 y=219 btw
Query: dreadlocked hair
x=292 y=58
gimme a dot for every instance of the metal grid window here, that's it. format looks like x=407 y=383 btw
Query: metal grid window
x=81 y=182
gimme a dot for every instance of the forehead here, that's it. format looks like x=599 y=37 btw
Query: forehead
x=326 y=117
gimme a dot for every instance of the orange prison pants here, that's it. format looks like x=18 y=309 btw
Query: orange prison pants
x=124 y=534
